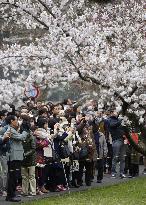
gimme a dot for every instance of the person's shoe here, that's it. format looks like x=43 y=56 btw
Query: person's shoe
x=39 y=192
x=75 y=184
x=80 y=183
x=13 y=199
x=130 y=176
x=19 y=188
x=109 y=172
x=32 y=194
x=61 y=188
x=44 y=190
x=144 y=171
x=92 y=178
x=113 y=175
x=88 y=184
x=123 y=176
x=71 y=185
x=4 y=194
x=24 y=194
x=54 y=190
x=99 y=181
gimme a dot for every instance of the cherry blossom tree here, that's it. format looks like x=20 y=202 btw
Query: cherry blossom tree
x=100 y=43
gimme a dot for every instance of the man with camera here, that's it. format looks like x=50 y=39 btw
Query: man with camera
x=15 y=156
x=117 y=133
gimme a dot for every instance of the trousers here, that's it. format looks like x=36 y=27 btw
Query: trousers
x=28 y=180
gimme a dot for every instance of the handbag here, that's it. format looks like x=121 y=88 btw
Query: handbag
x=40 y=159
x=41 y=143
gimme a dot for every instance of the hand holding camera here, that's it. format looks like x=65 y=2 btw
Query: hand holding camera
x=6 y=136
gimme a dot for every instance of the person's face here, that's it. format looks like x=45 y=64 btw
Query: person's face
x=45 y=114
x=46 y=126
x=56 y=110
x=31 y=105
x=14 y=123
x=79 y=109
x=20 y=121
x=24 y=110
x=32 y=124
x=59 y=107
x=39 y=104
x=69 y=102
x=3 y=117
x=115 y=113
x=98 y=114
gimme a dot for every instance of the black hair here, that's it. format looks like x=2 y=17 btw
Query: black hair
x=75 y=107
x=33 y=119
x=32 y=99
x=65 y=101
x=42 y=111
x=3 y=113
x=50 y=104
x=10 y=118
x=12 y=107
x=41 y=122
x=25 y=99
x=28 y=104
x=25 y=126
x=52 y=108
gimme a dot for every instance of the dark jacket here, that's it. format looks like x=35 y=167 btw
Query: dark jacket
x=115 y=128
x=58 y=140
x=52 y=121
x=1 y=140
x=29 y=146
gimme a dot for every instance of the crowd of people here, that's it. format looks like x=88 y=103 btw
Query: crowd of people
x=48 y=147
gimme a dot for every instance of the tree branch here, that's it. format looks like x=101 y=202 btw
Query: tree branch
x=47 y=8
x=28 y=12
x=133 y=91
x=23 y=57
x=65 y=32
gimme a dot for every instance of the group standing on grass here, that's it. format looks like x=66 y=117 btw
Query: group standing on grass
x=48 y=147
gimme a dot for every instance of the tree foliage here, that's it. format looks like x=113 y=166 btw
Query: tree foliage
x=101 y=43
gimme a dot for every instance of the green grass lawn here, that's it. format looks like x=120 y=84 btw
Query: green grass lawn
x=129 y=193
